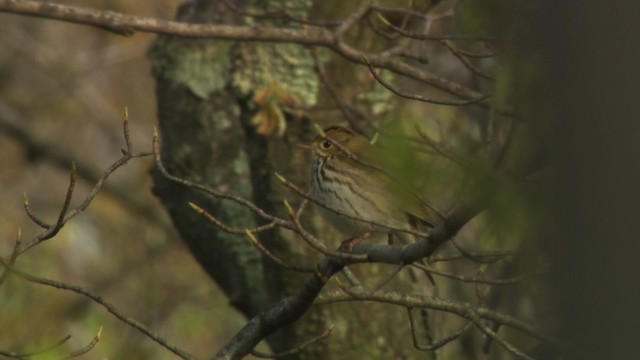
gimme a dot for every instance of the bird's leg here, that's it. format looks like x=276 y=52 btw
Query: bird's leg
x=348 y=244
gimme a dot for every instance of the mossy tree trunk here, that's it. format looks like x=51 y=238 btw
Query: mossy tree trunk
x=207 y=111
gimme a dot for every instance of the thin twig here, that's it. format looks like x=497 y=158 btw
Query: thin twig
x=477 y=321
x=226 y=228
x=122 y=23
x=417 y=97
x=460 y=309
x=63 y=218
x=215 y=193
x=455 y=158
x=315 y=243
x=359 y=13
x=488 y=258
x=32 y=216
x=125 y=126
x=87 y=348
x=468 y=64
x=346 y=109
x=423 y=36
x=14 y=255
x=487 y=345
x=295 y=350
x=15 y=355
x=351 y=277
x=436 y=344
x=476 y=279
x=267 y=253
x=99 y=300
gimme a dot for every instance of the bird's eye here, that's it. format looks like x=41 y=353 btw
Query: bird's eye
x=326 y=144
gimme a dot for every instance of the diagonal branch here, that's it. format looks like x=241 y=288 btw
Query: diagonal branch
x=127 y=25
x=99 y=300
x=291 y=308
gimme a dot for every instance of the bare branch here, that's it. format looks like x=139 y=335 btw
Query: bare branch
x=267 y=253
x=32 y=216
x=437 y=344
x=295 y=350
x=127 y=24
x=490 y=257
x=226 y=228
x=468 y=64
x=461 y=309
x=315 y=243
x=99 y=300
x=215 y=193
x=417 y=97
x=15 y=355
x=87 y=348
x=291 y=308
x=423 y=36
x=359 y=13
x=65 y=216
x=476 y=280
x=347 y=110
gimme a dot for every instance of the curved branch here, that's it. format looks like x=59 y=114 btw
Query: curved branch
x=291 y=308
x=99 y=300
x=127 y=25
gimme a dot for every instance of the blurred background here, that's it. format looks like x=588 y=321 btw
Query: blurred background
x=63 y=91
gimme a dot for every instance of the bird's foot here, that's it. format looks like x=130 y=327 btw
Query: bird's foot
x=347 y=245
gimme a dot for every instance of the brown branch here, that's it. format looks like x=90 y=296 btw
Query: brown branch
x=295 y=350
x=360 y=12
x=127 y=24
x=468 y=64
x=215 y=193
x=87 y=348
x=13 y=124
x=31 y=215
x=437 y=344
x=461 y=309
x=65 y=216
x=99 y=300
x=347 y=110
x=14 y=255
x=381 y=81
x=15 y=355
x=291 y=308
x=226 y=228
x=455 y=158
x=490 y=257
x=423 y=36
x=476 y=279
x=267 y=253
x=315 y=243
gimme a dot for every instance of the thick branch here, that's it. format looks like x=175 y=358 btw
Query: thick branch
x=291 y=308
x=128 y=25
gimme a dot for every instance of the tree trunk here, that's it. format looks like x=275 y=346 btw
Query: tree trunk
x=206 y=106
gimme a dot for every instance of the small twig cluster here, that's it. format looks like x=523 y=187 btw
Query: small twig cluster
x=65 y=214
x=313 y=34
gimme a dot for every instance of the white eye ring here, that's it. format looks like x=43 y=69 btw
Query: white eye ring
x=326 y=145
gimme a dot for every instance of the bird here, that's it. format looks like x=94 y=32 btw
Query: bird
x=347 y=176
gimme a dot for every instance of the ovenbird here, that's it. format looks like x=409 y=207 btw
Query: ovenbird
x=346 y=177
